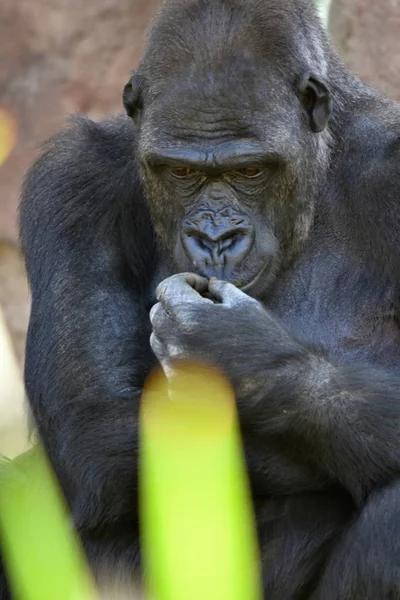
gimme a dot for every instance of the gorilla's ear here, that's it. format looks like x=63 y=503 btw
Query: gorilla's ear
x=132 y=96
x=316 y=100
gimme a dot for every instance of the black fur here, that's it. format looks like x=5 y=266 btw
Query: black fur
x=317 y=383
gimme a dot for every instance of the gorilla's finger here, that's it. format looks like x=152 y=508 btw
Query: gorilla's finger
x=197 y=282
x=156 y=345
x=159 y=350
x=157 y=315
x=181 y=289
x=185 y=282
x=227 y=293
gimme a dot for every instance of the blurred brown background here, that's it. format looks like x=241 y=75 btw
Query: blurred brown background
x=65 y=56
x=56 y=57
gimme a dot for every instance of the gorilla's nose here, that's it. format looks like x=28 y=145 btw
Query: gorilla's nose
x=217 y=252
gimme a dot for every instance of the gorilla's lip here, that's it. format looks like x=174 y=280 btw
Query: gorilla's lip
x=246 y=287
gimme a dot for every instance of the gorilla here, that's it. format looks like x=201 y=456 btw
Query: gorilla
x=244 y=213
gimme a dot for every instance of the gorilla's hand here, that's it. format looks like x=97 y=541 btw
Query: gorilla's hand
x=226 y=332
x=177 y=318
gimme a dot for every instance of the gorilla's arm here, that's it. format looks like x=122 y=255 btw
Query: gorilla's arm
x=87 y=348
x=342 y=422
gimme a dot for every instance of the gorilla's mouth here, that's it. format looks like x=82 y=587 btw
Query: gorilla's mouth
x=261 y=277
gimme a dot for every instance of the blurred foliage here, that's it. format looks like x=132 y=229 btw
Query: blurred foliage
x=41 y=552
x=197 y=522
x=323 y=7
x=198 y=529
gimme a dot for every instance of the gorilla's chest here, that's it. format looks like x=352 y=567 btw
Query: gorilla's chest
x=334 y=303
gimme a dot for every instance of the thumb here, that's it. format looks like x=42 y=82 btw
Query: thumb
x=227 y=293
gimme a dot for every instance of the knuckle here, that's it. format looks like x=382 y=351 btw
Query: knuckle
x=167 y=286
x=159 y=318
x=161 y=290
x=189 y=320
x=155 y=313
x=156 y=345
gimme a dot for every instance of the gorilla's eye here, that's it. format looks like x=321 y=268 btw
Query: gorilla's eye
x=249 y=172
x=182 y=172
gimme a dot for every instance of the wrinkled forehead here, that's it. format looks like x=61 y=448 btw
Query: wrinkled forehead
x=237 y=102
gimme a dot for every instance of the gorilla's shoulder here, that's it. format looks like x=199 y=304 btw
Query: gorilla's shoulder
x=109 y=143
x=84 y=173
x=370 y=149
x=374 y=135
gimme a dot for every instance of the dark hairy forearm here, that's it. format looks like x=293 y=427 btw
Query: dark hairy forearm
x=91 y=435
x=340 y=421
x=345 y=420
x=84 y=376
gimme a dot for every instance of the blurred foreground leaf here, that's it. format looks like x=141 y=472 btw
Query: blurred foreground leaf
x=41 y=553
x=198 y=532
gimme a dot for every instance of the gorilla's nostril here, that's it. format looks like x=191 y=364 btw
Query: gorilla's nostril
x=203 y=245
x=225 y=249
x=226 y=244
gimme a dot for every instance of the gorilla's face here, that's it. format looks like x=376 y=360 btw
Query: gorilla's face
x=230 y=175
x=216 y=219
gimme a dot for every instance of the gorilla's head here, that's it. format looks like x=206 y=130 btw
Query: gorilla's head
x=231 y=108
